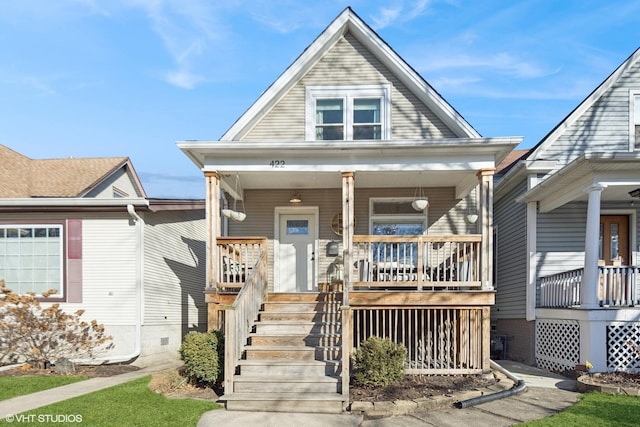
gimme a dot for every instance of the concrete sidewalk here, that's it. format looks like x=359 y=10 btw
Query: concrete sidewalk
x=46 y=397
x=546 y=394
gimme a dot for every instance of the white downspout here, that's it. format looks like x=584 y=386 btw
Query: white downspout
x=139 y=224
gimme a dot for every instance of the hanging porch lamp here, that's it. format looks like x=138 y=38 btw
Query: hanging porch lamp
x=234 y=214
x=420 y=202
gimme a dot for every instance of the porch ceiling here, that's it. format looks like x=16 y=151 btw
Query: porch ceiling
x=618 y=173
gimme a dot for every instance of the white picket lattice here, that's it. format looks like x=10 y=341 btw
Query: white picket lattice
x=557 y=344
x=623 y=346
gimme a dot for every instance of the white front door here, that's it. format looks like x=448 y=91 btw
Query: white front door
x=296 y=252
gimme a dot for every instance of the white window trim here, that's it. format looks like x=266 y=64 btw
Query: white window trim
x=312 y=93
x=396 y=217
x=61 y=291
x=632 y=125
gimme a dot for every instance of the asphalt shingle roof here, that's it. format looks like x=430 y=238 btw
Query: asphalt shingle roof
x=22 y=177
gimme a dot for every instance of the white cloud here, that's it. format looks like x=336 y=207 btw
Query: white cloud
x=399 y=12
x=186 y=29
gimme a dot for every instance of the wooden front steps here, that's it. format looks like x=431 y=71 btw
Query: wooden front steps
x=292 y=360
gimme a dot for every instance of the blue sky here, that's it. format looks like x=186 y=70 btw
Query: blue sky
x=93 y=78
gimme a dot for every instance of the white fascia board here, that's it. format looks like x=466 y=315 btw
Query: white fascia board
x=71 y=202
x=540 y=166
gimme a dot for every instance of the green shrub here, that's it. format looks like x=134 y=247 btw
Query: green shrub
x=379 y=361
x=203 y=356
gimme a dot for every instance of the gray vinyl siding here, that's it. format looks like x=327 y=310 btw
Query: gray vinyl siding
x=349 y=63
x=560 y=239
x=602 y=128
x=174 y=268
x=510 y=219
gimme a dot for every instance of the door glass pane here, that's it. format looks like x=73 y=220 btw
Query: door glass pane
x=615 y=242
x=300 y=226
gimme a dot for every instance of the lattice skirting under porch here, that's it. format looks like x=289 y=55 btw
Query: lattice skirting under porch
x=557 y=344
x=623 y=346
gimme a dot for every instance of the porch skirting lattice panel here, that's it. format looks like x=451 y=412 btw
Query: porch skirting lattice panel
x=623 y=346
x=437 y=339
x=557 y=344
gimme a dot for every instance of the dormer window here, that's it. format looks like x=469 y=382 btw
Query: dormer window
x=348 y=112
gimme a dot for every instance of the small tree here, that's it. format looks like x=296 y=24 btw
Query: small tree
x=29 y=332
x=379 y=361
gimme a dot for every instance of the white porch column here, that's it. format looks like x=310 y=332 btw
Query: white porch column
x=532 y=233
x=590 y=280
x=485 y=176
x=213 y=226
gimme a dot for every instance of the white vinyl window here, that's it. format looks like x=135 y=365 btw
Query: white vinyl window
x=634 y=121
x=348 y=112
x=31 y=257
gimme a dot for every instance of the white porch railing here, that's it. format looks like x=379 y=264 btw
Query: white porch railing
x=446 y=261
x=618 y=287
x=239 y=317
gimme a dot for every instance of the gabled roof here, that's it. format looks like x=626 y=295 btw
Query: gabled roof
x=349 y=22
x=22 y=177
x=584 y=106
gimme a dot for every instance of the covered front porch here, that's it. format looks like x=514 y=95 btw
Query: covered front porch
x=344 y=227
x=584 y=288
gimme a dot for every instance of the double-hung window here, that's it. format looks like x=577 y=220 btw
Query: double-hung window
x=31 y=257
x=634 y=121
x=348 y=112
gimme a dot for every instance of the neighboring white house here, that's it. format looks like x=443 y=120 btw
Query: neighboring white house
x=85 y=227
x=566 y=216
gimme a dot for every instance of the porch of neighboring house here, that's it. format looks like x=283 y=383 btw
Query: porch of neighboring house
x=593 y=312
x=430 y=292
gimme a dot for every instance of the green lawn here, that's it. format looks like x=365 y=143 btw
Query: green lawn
x=128 y=404
x=18 y=386
x=595 y=410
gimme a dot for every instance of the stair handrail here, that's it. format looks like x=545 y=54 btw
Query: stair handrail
x=239 y=317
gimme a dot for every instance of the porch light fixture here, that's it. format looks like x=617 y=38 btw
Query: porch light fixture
x=295 y=198
x=420 y=202
x=472 y=215
x=635 y=193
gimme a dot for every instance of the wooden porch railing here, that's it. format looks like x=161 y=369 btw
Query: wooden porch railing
x=236 y=257
x=240 y=316
x=446 y=261
x=618 y=287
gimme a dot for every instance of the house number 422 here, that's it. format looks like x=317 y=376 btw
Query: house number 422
x=276 y=163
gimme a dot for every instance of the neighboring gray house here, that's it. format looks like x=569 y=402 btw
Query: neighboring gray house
x=566 y=216
x=85 y=227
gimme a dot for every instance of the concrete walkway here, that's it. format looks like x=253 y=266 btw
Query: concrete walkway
x=546 y=395
x=46 y=397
